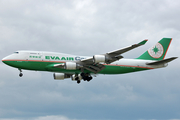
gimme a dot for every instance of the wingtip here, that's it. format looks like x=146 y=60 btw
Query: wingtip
x=143 y=42
x=175 y=57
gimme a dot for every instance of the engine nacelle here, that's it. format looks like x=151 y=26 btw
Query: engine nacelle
x=60 y=76
x=99 y=58
x=70 y=66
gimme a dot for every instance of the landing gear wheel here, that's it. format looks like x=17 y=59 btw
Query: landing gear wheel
x=20 y=74
x=77 y=78
x=89 y=78
x=82 y=74
x=78 y=81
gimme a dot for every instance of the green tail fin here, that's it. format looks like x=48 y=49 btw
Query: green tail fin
x=158 y=51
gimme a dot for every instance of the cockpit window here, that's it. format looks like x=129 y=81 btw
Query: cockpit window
x=16 y=52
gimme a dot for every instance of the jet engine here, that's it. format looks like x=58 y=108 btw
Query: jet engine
x=102 y=58
x=105 y=58
x=60 y=76
x=70 y=66
x=99 y=58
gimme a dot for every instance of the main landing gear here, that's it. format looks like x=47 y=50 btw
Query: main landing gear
x=86 y=77
x=20 y=74
x=79 y=77
x=78 y=81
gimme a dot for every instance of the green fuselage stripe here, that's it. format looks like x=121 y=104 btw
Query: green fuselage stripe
x=39 y=65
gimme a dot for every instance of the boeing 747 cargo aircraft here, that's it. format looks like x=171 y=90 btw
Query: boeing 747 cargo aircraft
x=82 y=67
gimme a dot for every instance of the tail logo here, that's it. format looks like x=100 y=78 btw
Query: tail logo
x=156 y=51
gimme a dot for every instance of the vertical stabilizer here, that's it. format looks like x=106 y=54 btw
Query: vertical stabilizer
x=158 y=51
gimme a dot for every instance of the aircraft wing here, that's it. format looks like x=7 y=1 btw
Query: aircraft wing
x=93 y=66
x=123 y=50
x=114 y=55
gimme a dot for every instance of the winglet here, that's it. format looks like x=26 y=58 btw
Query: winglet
x=143 y=42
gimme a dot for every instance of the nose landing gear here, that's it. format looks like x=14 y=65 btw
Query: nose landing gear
x=20 y=74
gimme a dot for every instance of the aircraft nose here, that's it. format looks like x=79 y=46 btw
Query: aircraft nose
x=4 y=60
x=7 y=59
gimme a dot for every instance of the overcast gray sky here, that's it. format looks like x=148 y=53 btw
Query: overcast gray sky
x=89 y=27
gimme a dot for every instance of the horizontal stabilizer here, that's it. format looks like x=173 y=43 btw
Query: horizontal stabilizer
x=162 y=61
